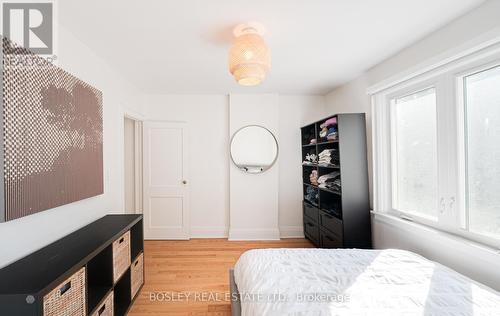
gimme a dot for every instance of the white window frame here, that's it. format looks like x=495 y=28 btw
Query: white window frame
x=462 y=212
x=390 y=97
x=447 y=77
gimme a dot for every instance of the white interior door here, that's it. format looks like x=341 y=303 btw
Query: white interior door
x=166 y=198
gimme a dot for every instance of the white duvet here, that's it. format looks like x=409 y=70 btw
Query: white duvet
x=356 y=282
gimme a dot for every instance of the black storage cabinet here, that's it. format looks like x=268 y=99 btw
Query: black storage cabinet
x=341 y=218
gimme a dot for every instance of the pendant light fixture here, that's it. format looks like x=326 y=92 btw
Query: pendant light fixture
x=249 y=57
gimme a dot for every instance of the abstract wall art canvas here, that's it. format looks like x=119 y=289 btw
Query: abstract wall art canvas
x=51 y=133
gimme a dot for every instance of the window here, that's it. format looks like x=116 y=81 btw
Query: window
x=415 y=153
x=437 y=146
x=482 y=143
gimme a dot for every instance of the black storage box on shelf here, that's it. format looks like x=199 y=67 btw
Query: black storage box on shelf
x=340 y=215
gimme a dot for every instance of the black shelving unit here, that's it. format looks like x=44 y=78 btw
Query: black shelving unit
x=123 y=299
x=99 y=278
x=337 y=218
x=25 y=282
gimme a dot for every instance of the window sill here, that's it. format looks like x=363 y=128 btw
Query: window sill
x=419 y=228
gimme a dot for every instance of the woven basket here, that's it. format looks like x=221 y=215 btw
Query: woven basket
x=121 y=255
x=137 y=274
x=68 y=298
x=106 y=308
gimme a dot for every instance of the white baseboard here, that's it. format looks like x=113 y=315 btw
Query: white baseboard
x=291 y=231
x=209 y=232
x=247 y=233
x=254 y=234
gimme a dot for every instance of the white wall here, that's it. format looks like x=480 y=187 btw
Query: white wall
x=208 y=120
x=207 y=117
x=254 y=198
x=352 y=98
x=478 y=25
x=23 y=236
x=295 y=111
x=477 y=262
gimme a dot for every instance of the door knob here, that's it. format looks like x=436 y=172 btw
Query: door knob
x=184 y=182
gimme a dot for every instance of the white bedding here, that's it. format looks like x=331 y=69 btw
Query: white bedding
x=356 y=282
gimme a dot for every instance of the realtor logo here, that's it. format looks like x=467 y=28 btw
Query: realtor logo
x=30 y=25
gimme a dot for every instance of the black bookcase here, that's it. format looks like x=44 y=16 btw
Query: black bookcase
x=25 y=283
x=337 y=215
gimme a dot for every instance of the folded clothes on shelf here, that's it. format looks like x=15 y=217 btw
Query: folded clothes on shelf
x=334 y=185
x=311 y=159
x=329 y=157
x=326 y=152
x=313 y=177
x=332 y=133
x=313 y=141
x=330 y=181
x=329 y=129
x=323 y=132
x=329 y=122
x=329 y=177
x=312 y=195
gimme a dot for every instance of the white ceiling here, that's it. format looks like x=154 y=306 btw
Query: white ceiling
x=181 y=46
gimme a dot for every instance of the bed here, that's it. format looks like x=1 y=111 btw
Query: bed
x=353 y=282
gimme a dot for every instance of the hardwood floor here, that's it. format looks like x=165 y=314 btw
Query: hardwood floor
x=197 y=268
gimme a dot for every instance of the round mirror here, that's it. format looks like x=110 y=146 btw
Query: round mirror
x=254 y=149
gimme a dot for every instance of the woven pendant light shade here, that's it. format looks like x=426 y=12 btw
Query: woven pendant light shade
x=249 y=58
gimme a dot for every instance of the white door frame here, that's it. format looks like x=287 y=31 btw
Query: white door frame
x=138 y=184
x=138 y=167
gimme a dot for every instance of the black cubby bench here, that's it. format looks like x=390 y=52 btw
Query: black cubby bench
x=96 y=270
